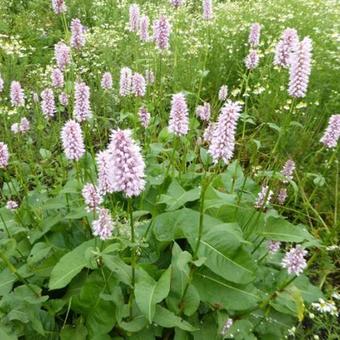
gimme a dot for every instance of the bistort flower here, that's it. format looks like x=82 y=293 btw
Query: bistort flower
x=161 y=32
x=48 y=103
x=332 y=133
x=223 y=140
x=128 y=163
x=103 y=226
x=91 y=196
x=78 y=37
x=72 y=139
x=179 y=116
x=82 y=109
x=4 y=155
x=294 y=260
x=17 y=94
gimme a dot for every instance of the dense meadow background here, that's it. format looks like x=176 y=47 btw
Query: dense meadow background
x=131 y=220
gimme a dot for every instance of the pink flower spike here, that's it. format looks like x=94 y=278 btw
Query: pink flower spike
x=17 y=94
x=332 y=133
x=72 y=139
x=4 y=155
x=161 y=32
x=11 y=205
x=125 y=83
x=273 y=246
x=144 y=28
x=63 y=99
x=138 y=85
x=176 y=3
x=82 y=109
x=179 y=115
x=91 y=196
x=48 y=103
x=288 y=43
x=254 y=35
x=300 y=69
x=282 y=196
x=223 y=93
x=128 y=163
x=103 y=226
x=24 y=125
x=106 y=82
x=105 y=172
x=78 y=38
x=252 y=60
x=134 y=13
x=223 y=140
x=294 y=260
x=207 y=6
x=57 y=78
x=59 y=6
x=264 y=197
x=62 y=54
x=203 y=112
x=1 y=84
x=288 y=170
x=144 y=117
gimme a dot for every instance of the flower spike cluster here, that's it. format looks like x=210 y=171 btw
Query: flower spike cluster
x=103 y=226
x=254 y=35
x=300 y=69
x=62 y=54
x=106 y=82
x=294 y=260
x=82 y=109
x=179 y=116
x=127 y=163
x=125 y=83
x=17 y=94
x=223 y=139
x=78 y=38
x=72 y=139
x=134 y=17
x=91 y=196
x=207 y=6
x=161 y=32
x=4 y=155
x=332 y=133
x=288 y=43
x=48 y=103
x=59 y=6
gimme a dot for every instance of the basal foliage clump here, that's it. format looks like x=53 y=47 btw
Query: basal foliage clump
x=145 y=190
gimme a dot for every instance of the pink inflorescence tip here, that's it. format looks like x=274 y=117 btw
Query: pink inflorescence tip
x=57 y=78
x=48 y=103
x=176 y=3
x=294 y=260
x=91 y=196
x=134 y=17
x=78 y=38
x=62 y=55
x=59 y=6
x=207 y=6
x=300 y=68
x=144 y=116
x=138 y=85
x=106 y=82
x=273 y=246
x=103 y=226
x=254 y=35
x=82 y=109
x=252 y=60
x=288 y=170
x=264 y=197
x=282 y=196
x=179 y=116
x=11 y=205
x=161 y=32
x=125 y=83
x=63 y=99
x=144 y=28
x=105 y=172
x=332 y=133
x=128 y=163
x=4 y=155
x=223 y=139
x=203 y=112
x=223 y=93
x=72 y=139
x=17 y=94
x=287 y=44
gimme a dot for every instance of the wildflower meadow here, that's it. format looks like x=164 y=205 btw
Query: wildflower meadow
x=169 y=169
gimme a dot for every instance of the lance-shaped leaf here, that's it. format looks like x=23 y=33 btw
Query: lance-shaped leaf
x=149 y=292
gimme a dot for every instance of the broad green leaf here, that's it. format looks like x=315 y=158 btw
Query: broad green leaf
x=135 y=325
x=5 y=335
x=148 y=292
x=281 y=230
x=217 y=291
x=176 y=196
x=225 y=256
x=180 y=224
x=167 y=319
x=73 y=333
x=122 y=271
x=309 y=292
x=69 y=266
x=7 y=280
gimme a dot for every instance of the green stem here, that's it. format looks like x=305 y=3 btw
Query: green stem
x=133 y=254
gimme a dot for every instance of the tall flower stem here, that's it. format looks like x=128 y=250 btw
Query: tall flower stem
x=133 y=253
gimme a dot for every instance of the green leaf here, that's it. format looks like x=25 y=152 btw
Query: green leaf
x=225 y=256
x=73 y=333
x=69 y=266
x=176 y=196
x=7 y=280
x=217 y=291
x=148 y=292
x=135 y=325
x=167 y=319
x=122 y=271
x=281 y=230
